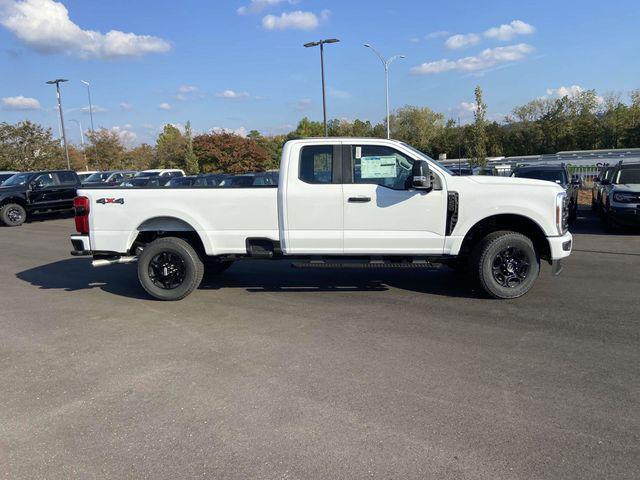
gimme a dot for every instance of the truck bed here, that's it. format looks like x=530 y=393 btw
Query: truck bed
x=223 y=217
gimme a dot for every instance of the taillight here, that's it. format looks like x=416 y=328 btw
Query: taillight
x=81 y=208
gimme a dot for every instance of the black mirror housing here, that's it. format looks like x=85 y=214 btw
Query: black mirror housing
x=421 y=175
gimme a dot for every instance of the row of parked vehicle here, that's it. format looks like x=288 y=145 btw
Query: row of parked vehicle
x=615 y=195
x=23 y=194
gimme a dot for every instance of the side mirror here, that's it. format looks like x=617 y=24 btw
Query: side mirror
x=421 y=176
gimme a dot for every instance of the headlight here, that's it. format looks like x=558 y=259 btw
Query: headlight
x=622 y=197
x=562 y=213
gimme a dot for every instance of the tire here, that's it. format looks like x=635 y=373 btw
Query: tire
x=13 y=214
x=506 y=264
x=170 y=269
x=215 y=267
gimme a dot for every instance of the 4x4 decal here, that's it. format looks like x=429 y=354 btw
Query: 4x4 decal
x=104 y=201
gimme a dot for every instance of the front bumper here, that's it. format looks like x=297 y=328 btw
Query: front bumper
x=560 y=247
x=625 y=215
x=81 y=245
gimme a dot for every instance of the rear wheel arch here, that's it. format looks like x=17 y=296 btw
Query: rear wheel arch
x=507 y=222
x=166 y=226
x=19 y=200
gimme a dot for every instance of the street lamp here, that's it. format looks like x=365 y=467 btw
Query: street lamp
x=90 y=106
x=386 y=64
x=324 y=100
x=57 y=83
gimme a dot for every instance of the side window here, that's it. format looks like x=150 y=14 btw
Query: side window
x=380 y=165
x=116 y=178
x=66 y=178
x=316 y=164
x=45 y=180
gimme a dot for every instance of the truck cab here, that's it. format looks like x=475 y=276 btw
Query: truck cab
x=342 y=202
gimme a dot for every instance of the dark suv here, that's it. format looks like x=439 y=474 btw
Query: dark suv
x=559 y=174
x=30 y=193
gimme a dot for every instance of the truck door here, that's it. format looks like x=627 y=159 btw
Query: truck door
x=44 y=192
x=311 y=202
x=67 y=189
x=382 y=213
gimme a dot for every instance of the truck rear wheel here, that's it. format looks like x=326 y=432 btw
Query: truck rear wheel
x=13 y=214
x=506 y=264
x=170 y=269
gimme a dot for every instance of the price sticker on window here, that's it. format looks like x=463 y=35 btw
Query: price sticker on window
x=378 y=167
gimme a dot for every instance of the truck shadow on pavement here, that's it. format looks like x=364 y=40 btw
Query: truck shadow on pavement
x=254 y=276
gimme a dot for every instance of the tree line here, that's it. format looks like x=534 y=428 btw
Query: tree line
x=583 y=121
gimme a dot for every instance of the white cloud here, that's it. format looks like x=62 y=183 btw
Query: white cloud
x=232 y=94
x=297 y=20
x=45 y=26
x=468 y=107
x=258 y=6
x=20 y=103
x=94 y=109
x=126 y=136
x=571 y=91
x=242 y=132
x=488 y=58
x=506 y=32
x=187 y=89
x=164 y=106
x=438 y=34
x=461 y=41
x=126 y=106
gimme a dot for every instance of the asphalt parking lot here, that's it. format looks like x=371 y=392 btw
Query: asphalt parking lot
x=276 y=373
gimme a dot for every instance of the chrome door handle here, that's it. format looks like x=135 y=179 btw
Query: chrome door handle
x=359 y=199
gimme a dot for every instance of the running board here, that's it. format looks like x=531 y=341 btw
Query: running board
x=323 y=264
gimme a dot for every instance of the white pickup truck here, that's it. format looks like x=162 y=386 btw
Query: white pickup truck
x=340 y=202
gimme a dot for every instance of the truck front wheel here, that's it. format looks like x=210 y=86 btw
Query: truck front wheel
x=169 y=269
x=506 y=264
x=13 y=214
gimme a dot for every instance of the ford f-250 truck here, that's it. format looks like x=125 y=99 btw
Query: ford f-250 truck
x=339 y=202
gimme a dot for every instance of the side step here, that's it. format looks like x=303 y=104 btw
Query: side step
x=373 y=264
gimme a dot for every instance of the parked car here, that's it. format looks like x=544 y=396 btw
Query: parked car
x=142 y=182
x=109 y=178
x=6 y=175
x=163 y=175
x=342 y=202
x=596 y=191
x=462 y=171
x=251 y=180
x=84 y=175
x=557 y=173
x=621 y=196
x=214 y=179
x=188 y=181
x=31 y=193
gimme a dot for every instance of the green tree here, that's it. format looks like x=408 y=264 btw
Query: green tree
x=171 y=148
x=191 y=161
x=478 y=141
x=139 y=158
x=418 y=126
x=105 y=150
x=29 y=146
x=230 y=153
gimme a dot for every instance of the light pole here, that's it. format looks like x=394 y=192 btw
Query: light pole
x=324 y=98
x=57 y=83
x=386 y=63
x=90 y=106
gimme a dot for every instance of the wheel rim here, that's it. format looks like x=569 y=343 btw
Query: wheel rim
x=511 y=267
x=167 y=270
x=14 y=215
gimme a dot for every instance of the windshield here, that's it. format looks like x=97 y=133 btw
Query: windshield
x=629 y=175
x=17 y=179
x=557 y=176
x=148 y=174
x=97 y=177
x=427 y=157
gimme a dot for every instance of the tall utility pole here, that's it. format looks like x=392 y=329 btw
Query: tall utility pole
x=324 y=98
x=90 y=105
x=386 y=63
x=57 y=83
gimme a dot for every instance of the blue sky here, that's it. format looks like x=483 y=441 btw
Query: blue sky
x=240 y=64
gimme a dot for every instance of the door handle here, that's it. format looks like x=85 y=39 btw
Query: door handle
x=359 y=199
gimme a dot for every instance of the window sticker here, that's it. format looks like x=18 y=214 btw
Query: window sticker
x=378 y=167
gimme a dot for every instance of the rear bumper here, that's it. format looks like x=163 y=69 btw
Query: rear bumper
x=560 y=247
x=81 y=245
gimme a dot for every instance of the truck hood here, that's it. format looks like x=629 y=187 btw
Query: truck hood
x=513 y=181
x=12 y=189
x=627 y=187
